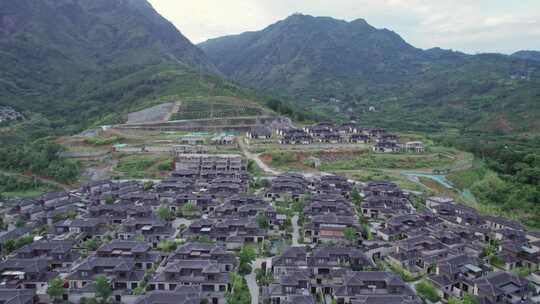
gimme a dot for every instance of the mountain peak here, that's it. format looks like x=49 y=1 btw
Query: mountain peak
x=321 y=46
x=360 y=21
x=527 y=55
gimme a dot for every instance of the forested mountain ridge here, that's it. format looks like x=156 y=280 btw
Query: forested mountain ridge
x=528 y=55
x=342 y=67
x=78 y=60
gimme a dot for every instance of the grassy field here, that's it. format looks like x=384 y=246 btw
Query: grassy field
x=370 y=175
x=353 y=160
x=481 y=188
x=23 y=187
x=33 y=193
x=143 y=166
x=395 y=161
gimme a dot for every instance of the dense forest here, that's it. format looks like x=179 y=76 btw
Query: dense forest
x=28 y=147
x=40 y=157
x=506 y=176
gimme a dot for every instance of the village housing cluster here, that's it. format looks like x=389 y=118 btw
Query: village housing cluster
x=318 y=238
x=349 y=133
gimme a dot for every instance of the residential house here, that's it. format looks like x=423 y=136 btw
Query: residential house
x=141 y=253
x=259 y=133
x=292 y=259
x=207 y=274
x=455 y=276
x=386 y=147
x=330 y=228
x=16 y=273
x=182 y=295
x=121 y=271
x=84 y=228
x=60 y=254
x=502 y=287
x=413 y=147
x=419 y=254
x=359 y=139
x=293 y=185
x=153 y=230
x=226 y=260
x=374 y=287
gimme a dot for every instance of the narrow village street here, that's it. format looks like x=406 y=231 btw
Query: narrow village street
x=251 y=278
x=296 y=230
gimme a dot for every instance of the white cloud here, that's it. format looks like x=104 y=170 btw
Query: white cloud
x=466 y=25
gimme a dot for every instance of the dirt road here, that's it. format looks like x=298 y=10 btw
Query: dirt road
x=256 y=159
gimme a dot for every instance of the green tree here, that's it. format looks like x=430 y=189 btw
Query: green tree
x=109 y=200
x=55 y=290
x=91 y=245
x=454 y=301
x=350 y=234
x=165 y=213
x=20 y=223
x=167 y=165
x=89 y=301
x=264 y=278
x=298 y=206
x=103 y=289
x=148 y=185
x=252 y=167
x=9 y=246
x=23 y=241
x=491 y=249
x=239 y=293
x=355 y=195
x=3 y=225
x=427 y=291
x=189 y=209
x=247 y=255
x=262 y=221
x=167 y=246
x=469 y=299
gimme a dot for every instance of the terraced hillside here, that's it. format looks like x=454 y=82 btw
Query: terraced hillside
x=217 y=107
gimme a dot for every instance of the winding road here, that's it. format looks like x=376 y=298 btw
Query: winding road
x=256 y=159
x=251 y=279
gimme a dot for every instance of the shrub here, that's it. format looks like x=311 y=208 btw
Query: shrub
x=426 y=290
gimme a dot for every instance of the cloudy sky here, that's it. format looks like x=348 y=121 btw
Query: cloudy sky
x=471 y=26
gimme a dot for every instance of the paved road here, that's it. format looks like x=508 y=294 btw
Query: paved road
x=251 y=279
x=296 y=231
x=257 y=160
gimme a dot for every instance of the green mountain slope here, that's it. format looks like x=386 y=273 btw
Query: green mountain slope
x=528 y=55
x=78 y=61
x=351 y=67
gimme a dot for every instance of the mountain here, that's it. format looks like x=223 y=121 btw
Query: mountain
x=306 y=52
x=345 y=68
x=78 y=61
x=527 y=55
